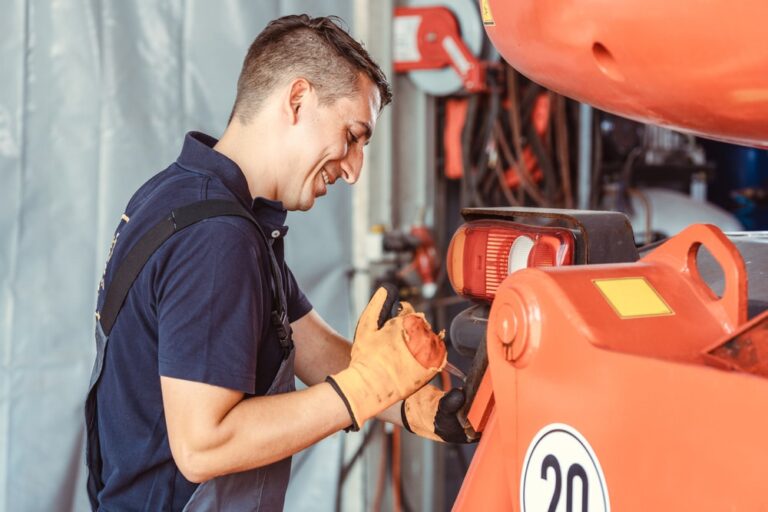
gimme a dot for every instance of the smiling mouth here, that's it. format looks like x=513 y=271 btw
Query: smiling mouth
x=325 y=176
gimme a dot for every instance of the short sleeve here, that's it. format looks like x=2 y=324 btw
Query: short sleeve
x=298 y=303
x=210 y=306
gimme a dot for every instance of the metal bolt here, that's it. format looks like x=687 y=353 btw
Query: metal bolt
x=507 y=327
x=510 y=327
x=506 y=330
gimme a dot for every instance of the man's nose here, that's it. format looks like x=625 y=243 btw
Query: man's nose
x=351 y=165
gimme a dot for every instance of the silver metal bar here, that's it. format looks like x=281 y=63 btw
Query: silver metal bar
x=585 y=156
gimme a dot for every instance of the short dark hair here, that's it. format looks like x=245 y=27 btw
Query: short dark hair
x=317 y=49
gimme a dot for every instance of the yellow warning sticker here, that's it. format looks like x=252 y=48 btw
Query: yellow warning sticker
x=633 y=297
x=485 y=11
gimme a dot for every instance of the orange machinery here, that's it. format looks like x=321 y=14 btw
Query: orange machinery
x=611 y=386
x=697 y=66
x=625 y=386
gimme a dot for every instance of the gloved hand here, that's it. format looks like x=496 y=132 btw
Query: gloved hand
x=388 y=362
x=433 y=414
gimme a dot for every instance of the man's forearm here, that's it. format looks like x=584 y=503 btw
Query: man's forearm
x=259 y=431
x=329 y=356
x=392 y=414
x=320 y=351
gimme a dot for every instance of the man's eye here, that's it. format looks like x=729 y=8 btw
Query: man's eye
x=351 y=138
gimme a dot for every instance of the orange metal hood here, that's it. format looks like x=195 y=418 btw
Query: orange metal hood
x=695 y=66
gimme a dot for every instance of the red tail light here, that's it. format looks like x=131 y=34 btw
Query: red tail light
x=484 y=252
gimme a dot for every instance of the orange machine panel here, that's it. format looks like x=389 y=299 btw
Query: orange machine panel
x=609 y=390
x=695 y=66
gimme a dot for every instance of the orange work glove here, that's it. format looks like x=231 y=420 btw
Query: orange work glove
x=389 y=361
x=432 y=413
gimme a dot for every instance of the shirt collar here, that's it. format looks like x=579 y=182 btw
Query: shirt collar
x=198 y=155
x=271 y=215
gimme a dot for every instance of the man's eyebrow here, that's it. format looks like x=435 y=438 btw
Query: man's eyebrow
x=368 y=130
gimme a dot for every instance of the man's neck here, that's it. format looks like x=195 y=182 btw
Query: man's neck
x=243 y=144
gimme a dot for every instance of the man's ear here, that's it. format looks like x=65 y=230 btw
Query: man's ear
x=298 y=96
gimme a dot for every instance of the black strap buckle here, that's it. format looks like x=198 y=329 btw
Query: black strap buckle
x=284 y=332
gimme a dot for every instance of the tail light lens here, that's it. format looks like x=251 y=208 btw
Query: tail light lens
x=483 y=253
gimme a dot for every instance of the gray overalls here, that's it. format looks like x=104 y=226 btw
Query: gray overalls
x=258 y=489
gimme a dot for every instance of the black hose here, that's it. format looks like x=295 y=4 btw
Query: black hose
x=544 y=160
x=467 y=176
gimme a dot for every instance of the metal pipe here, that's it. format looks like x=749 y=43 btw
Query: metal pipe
x=585 y=155
x=371 y=204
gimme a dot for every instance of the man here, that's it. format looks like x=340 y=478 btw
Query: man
x=192 y=403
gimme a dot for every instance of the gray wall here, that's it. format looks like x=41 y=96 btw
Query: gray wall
x=95 y=97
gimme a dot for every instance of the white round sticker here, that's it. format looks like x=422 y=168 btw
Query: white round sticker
x=561 y=473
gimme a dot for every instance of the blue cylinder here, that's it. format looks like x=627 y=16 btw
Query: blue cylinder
x=740 y=183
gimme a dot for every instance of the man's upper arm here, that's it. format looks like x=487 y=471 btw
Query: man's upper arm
x=211 y=306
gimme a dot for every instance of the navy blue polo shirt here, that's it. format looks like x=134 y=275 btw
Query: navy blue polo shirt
x=199 y=311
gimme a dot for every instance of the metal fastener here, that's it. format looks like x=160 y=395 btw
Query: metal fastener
x=506 y=329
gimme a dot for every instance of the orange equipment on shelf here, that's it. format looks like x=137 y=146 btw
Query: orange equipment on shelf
x=626 y=386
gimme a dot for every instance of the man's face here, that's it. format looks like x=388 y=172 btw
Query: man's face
x=328 y=145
